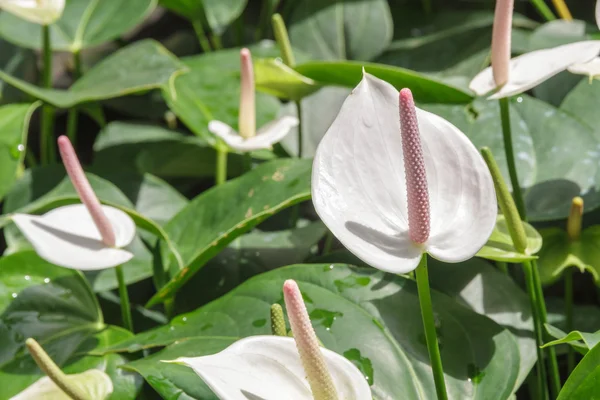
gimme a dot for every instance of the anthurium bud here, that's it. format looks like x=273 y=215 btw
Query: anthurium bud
x=414 y=167
x=317 y=374
x=277 y=321
x=501 y=38
x=247 y=115
x=506 y=203
x=574 y=220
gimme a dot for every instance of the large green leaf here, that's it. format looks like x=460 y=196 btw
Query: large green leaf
x=499 y=246
x=218 y=13
x=583 y=381
x=43 y=189
x=42 y=300
x=370 y=317
x=216 y=217
x=139 y=67
x=333 y=30
x=580 y=102
x=555 y=153
x=84 y=23
x=14 y=125
x=71 y=352
x=247 y=256
x=349 y=73
x=211 y=91
x=560 y=253
x=274 y=77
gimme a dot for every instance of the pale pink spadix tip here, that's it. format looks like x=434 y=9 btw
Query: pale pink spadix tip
x=501 y=39
x=247 y=113
x=317 y=374
x=414 y=167
x=85 y=191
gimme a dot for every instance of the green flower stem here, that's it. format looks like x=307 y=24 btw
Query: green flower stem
x=221 y=171
x=216 y=42
x=537 y=328
x=283 y=40
x=47 y=152
x=72 y=117
x=328 y=243
x=429 y=325
x=124 y=297
x=201 y=35
x=49 y=367
x=503 y=267
x=247 y=162
x=543 y=9
x=555 y=383
x=569 y=316
x=299 y=112
x=510 y=156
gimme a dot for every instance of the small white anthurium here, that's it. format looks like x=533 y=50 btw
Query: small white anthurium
x=281 y=368
x=95 y=383
x=43 y=12
x=86 y=236
x=392 y=182
x=248 y=139
x=507 y=77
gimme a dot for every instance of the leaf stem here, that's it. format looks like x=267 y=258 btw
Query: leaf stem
x=72 y=117
x=47 y=149
x=328 y=243
x=563 y=12
x=124 y=297
x=201 y=35
x=299 y=112
x=543 y=9
x=49 y=367
x=510 y=156
x=569 y=316
x=503 y=267
x=429 y=326
x=221 y=169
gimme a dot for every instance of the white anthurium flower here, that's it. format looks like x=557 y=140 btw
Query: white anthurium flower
x=590 y=68
x=265 y=138
x=95 y=383
x=86 y=236
x=248 y=139
x=530 y=69
x=43 y=12
x=389 y=198
x=281 y=368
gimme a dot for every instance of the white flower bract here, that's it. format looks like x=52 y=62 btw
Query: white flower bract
x=94 y=382
x=43 y=12
x=265 y=138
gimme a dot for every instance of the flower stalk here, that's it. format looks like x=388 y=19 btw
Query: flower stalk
x=574 y=233
x=47 y=154
x=562 y=10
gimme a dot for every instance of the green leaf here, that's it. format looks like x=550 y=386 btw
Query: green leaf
x=218 y=13
x=139 y=67
x=560 y=253
x=580 y=102
x=580 y=341
x=275 y=78
x=14 y=125
x=211 y=91
x=358 y=29
x=583 y=381
x=556 y=33
x=71 y=351
x=41 y=300
x=43 y=189
x=216 y=217
x=355 y=313
x=18 y=62
x=247 y=256
x=499 y=246
x=84 y=23
x=349 y=73
x=555 y=153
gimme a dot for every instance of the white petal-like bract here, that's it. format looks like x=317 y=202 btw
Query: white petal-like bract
x=269 y=368
x=93 y=382
x=43 y=12
x=591 y=68
x=67 y=236
x=265 y=138
x=359 y=188
x=531 y=69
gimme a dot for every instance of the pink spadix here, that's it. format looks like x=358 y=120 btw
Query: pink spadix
x=317 y=374
x=247 y=114
x=85 y=191
x=501 y=38
x=414 y=167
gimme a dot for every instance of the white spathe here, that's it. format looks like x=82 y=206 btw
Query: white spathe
x=68 y=237
x=531 y=69
x=359 y=187
x=269 y=368
x=591 y=68
x=43 y=12
x=265 y=138
x=93 y=382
